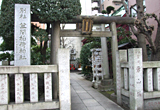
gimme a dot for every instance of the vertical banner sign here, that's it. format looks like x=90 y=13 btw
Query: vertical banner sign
x=22 y=35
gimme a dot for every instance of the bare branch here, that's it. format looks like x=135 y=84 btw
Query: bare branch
x=157 y=40
x=134 y=9
x=155 y=16
x=149 y=39
x=135 y=32
x=126 y=7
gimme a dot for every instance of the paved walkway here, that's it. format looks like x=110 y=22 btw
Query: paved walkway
x=84 y=97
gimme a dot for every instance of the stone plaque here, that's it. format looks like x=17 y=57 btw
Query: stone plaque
x=21 y=46
x=22 y=35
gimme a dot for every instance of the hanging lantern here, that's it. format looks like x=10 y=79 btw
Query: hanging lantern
x=87 y=24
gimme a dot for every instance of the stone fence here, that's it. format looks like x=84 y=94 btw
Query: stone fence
x=64 y=102
x=137 y=82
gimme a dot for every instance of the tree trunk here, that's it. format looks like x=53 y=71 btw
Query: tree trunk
x=156 y=55
x=55 y=44
x=45 y=46
x=141 y=37
x=140 y=9
x=44 y=52
x=142 y=44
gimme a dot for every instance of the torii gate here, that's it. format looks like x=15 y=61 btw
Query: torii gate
x=97 y=20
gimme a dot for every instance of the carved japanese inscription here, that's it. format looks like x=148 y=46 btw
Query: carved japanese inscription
x=22 y=35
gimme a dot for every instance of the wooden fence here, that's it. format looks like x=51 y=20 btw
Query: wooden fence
x=138 y=82
x=64 y=101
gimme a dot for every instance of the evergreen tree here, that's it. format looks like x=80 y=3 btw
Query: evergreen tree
x=7 y=24
x=56 y=10
x=46 y=10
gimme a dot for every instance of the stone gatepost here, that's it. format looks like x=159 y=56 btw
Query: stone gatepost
x=135 y=79
x=64 y=79
x=114 y=46
x=105 y=65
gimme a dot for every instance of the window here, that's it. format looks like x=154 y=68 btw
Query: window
x=102 y=7
x=134 y=13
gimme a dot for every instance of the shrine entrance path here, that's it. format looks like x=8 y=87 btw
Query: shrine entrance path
x=84 y=97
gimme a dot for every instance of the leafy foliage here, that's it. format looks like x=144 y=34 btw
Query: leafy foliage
x=124 y=37
x=7 y=56
x=7 y=24
x=46 y=10
x=104 y=12
x=36 y=56
x=40 y=34
x=56 y=10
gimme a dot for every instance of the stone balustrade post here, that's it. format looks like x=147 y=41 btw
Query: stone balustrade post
x=121 y=56
x=135 y=79
x=64 y=79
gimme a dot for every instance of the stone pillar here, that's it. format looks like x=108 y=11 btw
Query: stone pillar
x=105 y=65
x=148 y=80
x=156 y=73
x=22 y=35
x=135 y=79
x=4 y=89
x=34 y=87
x=118 y=79
x=124 y=74
x=22 y=45
x=114 y=49
x=64 y=79
x=55 y=44
x=121 y=56
x=48 y=86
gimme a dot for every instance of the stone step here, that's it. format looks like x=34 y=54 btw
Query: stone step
x=107 y=82
x=105 y=88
